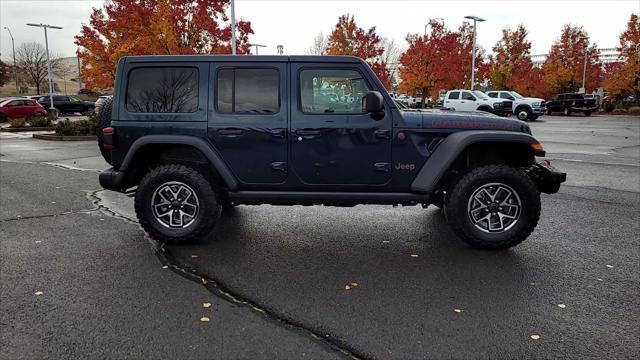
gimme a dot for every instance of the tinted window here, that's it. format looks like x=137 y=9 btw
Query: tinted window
x=454 y=95
x=162 y=90
x=467 y=96
x=332 y=91
x=248 y=91
x=15 y=103
x=60 y=98
x=506 y=96
x=493 y=94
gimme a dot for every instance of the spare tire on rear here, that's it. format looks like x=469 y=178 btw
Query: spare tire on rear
x=103 y=116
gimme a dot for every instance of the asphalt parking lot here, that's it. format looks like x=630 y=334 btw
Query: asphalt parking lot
x=78 y=278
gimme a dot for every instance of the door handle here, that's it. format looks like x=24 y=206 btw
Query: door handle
x=230 y=132
x=383 y=134
x=307 y=132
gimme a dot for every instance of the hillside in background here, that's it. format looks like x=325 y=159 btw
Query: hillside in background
x=67 y=75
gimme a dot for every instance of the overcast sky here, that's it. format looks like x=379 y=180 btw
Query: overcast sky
x=295 y=23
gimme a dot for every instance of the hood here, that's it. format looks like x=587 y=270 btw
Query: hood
x=533 y=99
x=449 y=121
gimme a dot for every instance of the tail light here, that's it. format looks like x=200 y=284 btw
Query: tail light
x=107 y=138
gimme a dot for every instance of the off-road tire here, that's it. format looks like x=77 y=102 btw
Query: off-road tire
x=103 y=117
x=457 y=200
x=205 y=219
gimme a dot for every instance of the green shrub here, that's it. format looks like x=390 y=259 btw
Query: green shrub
x=76 y=128
x=39 y=121
x=66 y=128
x=634 y=110
x=608 y=106
x=17 y=122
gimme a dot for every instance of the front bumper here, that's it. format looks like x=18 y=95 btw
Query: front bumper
x=546 y=177
x=112 y=179
x=539 y=110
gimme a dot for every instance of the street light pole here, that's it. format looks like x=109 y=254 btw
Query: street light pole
x=473 y=52
x=257 y=46
x=46 y=45
x=79 y=72
x=15 y=68
x=584 y=65
x=233 y=28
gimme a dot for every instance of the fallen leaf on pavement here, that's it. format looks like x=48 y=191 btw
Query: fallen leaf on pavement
x=165 y=267
x=204 y=281
x=562 y=306
x=38 y=241
x=599 y=279
x=414 y=255
x=206 y=305
x=610 y=266
x=354 y=284
x=194 y=256
x=458 y=310
x=347 y=287
x=204 y=319
x=535 y=337
x=38 y=293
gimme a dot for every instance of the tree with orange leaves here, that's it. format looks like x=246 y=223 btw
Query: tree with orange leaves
x=154 y=27
x=511 y=67
x=563 y=67
x=347 y=38
x=440 y=60
x=623 y=78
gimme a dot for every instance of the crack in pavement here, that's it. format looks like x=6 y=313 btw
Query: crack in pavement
x=222 y=291
x=83 y=211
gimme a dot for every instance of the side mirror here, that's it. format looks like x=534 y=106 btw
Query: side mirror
x=373 y=102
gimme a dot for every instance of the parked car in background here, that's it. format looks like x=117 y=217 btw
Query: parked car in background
x=11 y=108
x=68 y=104
x=474 y=100
x=87 y=92
x=524 y=108
x=570 y=103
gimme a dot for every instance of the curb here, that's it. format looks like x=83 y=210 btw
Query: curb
x=63 y=137
x=28 y=128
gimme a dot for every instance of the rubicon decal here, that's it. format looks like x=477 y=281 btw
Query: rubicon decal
x=464 y=124
x=407 y=167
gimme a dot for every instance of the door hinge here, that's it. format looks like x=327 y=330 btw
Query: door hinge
x=382 y=167
x=279 y=166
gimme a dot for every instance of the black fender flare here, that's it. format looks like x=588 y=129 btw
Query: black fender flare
x=452 y=146
x=203 y=146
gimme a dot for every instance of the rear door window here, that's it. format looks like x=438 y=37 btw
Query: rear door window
x=454 y=95
x=248 y=91
x=162 y=90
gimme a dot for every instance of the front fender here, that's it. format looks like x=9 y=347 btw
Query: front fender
x=451 y=147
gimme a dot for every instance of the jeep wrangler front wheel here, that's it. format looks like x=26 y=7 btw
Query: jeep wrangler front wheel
x=493 y=207
x=176 y=204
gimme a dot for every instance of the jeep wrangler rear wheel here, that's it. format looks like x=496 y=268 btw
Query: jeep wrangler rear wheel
x=176 y=204
x=493 y=207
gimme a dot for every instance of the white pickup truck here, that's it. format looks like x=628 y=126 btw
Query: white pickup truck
x=525 y=108
x=474 y=100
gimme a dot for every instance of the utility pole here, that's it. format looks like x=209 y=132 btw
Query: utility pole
x=584 y=65
x=79 y=73
x=473 y=52
x=233 y=28
x=15 y=68
x=46 y=45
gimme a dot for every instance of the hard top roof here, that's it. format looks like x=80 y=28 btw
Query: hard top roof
x=243 y=58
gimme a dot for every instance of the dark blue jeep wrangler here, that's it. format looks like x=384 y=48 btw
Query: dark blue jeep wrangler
x=197 y=134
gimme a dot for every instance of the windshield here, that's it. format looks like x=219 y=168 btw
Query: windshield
x=517 y=96
x=481 y=95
